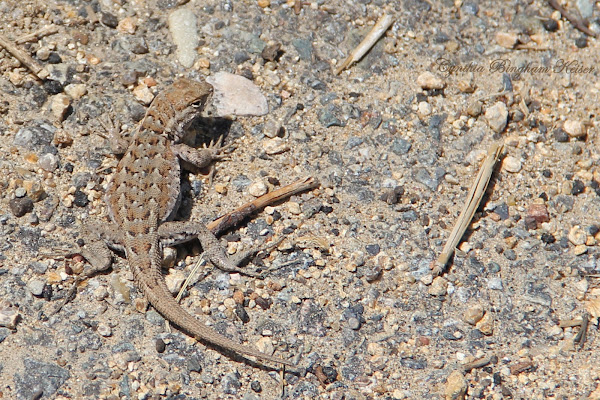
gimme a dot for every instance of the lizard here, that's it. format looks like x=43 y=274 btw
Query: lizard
x=142 y=199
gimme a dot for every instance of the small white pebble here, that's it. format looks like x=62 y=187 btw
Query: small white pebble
x=574 y=128
x=424 y=109
x=511 y=164
x=428 y=81
x=293 y=207
x=104 y=330
x=275 y=146
x=258 y=189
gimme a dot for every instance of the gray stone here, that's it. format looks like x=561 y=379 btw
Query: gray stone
x=39 y=376
x=400 y=146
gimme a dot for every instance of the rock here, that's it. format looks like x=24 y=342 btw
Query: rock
x=456 y=386
x=60 y=106
x=511 y=164
x=48 y=162
x=577 y=236
x=429 y=81
x=76 y=90
x=20 y=206
x=127 y=25
x=400 y=146
x=275 y=146
x=473 y=314
x=574 y=128
x=143 y=94
x=183 y=28
x=439 y=287
x=497 y=116
x=236 y=95
x=9 y=317
x=474 y=109
x=36 y=286
x=495 y=284
x=585 y=7
x=258 y=189
x=175 y=280
x=486 y=324
x=424 y=109
x=539 y=213
x=507 y=40
x=104 y=330
x=109 y=20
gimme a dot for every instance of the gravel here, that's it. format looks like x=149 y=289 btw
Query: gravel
x=395 y=142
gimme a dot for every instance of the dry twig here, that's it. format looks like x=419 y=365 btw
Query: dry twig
x=233 y=218
x=473 y=198
x=37 y=35
x=369 y=41
x=25 y=59
x=577 y=23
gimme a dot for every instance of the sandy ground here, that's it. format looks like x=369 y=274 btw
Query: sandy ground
x=395 y=140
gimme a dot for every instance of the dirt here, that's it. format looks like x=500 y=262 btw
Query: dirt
x=396 y=141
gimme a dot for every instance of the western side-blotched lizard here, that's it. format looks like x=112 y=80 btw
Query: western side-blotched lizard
x=143 y=197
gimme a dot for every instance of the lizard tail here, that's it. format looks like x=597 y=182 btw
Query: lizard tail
x=162 y=300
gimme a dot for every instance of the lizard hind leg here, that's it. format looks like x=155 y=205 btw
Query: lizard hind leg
x=175 y=232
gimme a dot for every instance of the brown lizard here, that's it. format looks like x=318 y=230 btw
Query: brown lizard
x=143 y=197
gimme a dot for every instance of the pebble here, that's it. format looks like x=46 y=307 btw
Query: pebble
x=76 y=90
x=429 y=81
x=175 y=280
x=109 y=20
x=62 y=138
x=354 y=323
x=585 y=7
x=486 y=324
x=36 y=286
x=424 y=109
x=580 y=249
x=143 y=94
x=127 y=25
x=506 y=39
x=265 y=345
x=258 y=189
x=577 y=236
x=8 y=317
x=59 y=106
x=293 y=207
x=104 y=330
x=275 y=146
x=20 y=206
x=475 y=108
x=574 y=128
x=48 y=162
x=511 y=164
x=20 y=192
x=400 y=146
x=236 y=95
x=183 y=28
x=497 y=116
x=551 y=25
x=439 y=287
x=538 y=212
x=456 y=386
x=220 y=188
x=473 y=314
x=495 y=284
